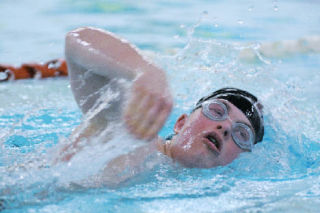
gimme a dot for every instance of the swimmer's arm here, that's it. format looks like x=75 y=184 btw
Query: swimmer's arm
x=125 y=167
x=79 y=138
x=104 y=54
x=120 y=169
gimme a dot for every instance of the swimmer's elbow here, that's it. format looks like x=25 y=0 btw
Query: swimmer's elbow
x=72 y=44
x=77 y=49
x=104 y=54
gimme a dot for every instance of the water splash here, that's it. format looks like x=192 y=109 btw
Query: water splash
x=291 y=144
x=283 y=166
x=28 y=167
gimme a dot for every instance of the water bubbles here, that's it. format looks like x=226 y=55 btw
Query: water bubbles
x=215 y=22
x=56 y=174
x=182 y=26
x=250 y=8
x=3 y=76
x=24 y=97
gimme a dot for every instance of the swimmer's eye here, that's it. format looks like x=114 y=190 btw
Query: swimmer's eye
x=216 y=110
x=241 y=133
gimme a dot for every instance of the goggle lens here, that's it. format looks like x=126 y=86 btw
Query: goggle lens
x=215 y=110
x=242 y=135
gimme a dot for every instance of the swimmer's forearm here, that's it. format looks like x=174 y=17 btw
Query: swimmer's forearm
x=104 y=54
x=125 y=167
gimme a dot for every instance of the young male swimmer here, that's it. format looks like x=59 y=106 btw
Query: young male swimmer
x=221 y=126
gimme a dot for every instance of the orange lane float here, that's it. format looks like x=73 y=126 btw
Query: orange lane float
x=57 y=67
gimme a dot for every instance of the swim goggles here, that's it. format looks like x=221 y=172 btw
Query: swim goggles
x=241 y=133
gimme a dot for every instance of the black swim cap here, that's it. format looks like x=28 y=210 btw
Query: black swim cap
x=244 y=101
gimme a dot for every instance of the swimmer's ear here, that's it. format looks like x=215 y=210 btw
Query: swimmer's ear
x=180 y=123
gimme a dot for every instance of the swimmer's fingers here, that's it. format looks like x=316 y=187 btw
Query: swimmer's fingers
x=136 y=116
x=158 y=124
x=133 y=104
x=151 y=114
x=150 y=98
x=156 y=118
x=133 y=108
x=137 y=108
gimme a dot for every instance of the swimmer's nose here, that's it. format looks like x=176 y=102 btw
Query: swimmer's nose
x=224 y=129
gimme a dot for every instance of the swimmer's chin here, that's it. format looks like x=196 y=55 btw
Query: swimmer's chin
x=200 y=162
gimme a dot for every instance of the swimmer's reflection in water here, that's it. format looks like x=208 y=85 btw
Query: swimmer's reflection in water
x=221 y=126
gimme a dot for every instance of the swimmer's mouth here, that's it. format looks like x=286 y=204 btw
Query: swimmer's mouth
x=213 y=142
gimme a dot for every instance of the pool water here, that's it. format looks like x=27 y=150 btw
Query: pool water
x=198 y=43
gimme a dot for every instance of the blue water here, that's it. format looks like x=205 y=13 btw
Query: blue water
x=197 y=43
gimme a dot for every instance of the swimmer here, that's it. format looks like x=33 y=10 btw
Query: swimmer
x=221 y=126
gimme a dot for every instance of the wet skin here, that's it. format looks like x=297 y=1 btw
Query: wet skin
x=191 y=146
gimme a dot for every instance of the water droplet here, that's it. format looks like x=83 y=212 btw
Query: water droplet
x=250 y=8
x=182 y=26
x=24 y=97
x=240 y=21
x=205 y=12
x=275 y=5
x=176 y=37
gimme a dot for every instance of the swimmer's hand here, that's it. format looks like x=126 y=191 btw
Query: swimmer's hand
x=149 y=105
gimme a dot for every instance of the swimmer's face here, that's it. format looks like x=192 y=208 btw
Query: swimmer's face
x=193 y=147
